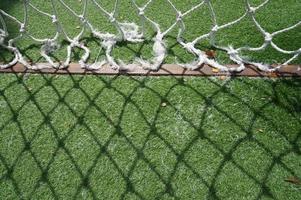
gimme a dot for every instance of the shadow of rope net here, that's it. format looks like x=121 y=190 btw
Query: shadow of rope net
x=93 y=137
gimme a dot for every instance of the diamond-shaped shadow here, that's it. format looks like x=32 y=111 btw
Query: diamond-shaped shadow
x=120 y=137
x=101 y=140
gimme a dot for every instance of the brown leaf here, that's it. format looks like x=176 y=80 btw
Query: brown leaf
x=211 y=53
x=214 y=70
x=223 y=78
x=293 y=180
x=273 y=75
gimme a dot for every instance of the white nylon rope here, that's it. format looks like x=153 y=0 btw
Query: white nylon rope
x=130 y=32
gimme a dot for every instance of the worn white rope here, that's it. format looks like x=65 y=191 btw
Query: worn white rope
x=130 y=32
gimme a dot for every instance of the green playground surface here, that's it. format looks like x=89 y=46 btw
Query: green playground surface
x=126 y=137
x=95 y=137
x=276 y=15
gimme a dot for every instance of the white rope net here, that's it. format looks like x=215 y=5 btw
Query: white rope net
x=132 y=32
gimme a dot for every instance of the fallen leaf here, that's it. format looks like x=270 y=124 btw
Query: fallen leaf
x=293 y=180
x=211 y=53
x=260 y=130
x=273 y=75
x=222 y=77
x=214 y=70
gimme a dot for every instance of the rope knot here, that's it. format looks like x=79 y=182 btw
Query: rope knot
x=189 y=47
x=179 y=16
x=112 y=18
x=214 y=29
x=251 y=10
x=141 y=12
x=82 y=19
x=22 y=28
x=232 y=51
x=54 y=19
x=268 y=37
x=50 y=46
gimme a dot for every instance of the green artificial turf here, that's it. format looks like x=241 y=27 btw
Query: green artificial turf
x=95 y=137
x=276 y=15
